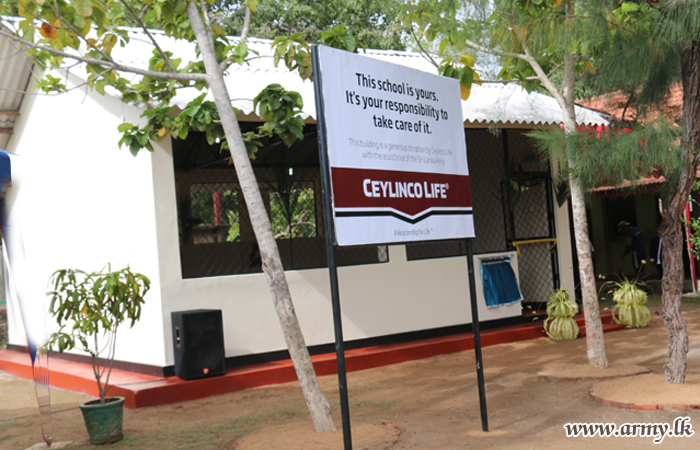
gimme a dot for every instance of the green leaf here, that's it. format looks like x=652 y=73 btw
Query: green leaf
x=467 y=78
x=142 y=139
x=252 y=4
x=628 y=7
x=83 y=7
x=443 y=46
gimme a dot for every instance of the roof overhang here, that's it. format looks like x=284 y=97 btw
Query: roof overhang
x=15 y=73
x=489 y=105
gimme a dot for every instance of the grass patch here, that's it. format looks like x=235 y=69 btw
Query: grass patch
x=200 y=438
x=288 y=413
x=3 y=427
x=213 y=437
x=386 y=404
x=7 y=436
x=133 y=441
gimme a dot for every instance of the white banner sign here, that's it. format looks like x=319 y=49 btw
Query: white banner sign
x=397 y=152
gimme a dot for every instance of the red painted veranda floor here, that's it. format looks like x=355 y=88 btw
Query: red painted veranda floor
x=147 y=390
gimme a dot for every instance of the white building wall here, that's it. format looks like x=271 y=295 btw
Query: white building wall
x=83 y=202
x=79 y=201
x=376 y=300
x=563 y=227
x=564 y=246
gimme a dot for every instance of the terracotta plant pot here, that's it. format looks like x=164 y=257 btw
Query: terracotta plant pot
x=104 y=421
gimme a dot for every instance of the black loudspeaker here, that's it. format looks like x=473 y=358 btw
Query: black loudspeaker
x=198 y=341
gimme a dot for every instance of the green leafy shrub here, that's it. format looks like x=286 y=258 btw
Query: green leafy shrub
x=93 y=305
x=559 y=324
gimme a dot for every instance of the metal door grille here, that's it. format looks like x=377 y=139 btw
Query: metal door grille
x=512 y=199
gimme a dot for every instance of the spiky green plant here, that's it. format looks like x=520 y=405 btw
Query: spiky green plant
x=630 y=306
x=559 y=324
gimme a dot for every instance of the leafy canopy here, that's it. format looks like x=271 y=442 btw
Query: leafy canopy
x=512 y=30
x=372 y=22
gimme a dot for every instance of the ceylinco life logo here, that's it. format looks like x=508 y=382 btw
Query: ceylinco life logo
x=408 y=196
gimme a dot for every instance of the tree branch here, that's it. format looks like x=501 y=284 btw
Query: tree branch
x=541 y=75
x=244 y=36
x=177 y=76
x=246 y=25
x=425 y=53
x=145 y=29
x=207 y=20
x=144 y=11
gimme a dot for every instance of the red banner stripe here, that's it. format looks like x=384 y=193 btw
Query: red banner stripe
x=409 y=192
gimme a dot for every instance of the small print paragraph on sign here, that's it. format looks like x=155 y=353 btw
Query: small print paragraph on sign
x=681 y=427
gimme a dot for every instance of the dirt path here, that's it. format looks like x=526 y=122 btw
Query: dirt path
x=433 y=403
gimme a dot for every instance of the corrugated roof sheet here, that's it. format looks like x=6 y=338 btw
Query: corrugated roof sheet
x=495 y=102
x=15 y=71
x=492 y=103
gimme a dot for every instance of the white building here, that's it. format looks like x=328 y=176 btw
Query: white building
x=77 y=200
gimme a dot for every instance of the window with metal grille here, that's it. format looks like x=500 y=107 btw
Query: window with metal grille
x=512 y=199
x=216 y=236
x=214 y=210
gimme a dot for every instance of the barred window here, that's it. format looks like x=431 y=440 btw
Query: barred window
x=216 y=236
x=512 y=199
x=293 y=211
x=214 y=209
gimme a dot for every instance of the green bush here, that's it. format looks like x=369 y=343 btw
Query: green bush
x=92 y=306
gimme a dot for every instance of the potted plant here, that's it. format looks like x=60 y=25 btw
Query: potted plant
x=630 y=304
x=559 y=324
x=89 y=308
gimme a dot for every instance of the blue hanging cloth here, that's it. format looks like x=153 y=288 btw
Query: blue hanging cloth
x=500 y=285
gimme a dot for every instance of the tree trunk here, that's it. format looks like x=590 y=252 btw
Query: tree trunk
x=595 y=341
x=672 y=288
x=317 y=403
x=672 y=284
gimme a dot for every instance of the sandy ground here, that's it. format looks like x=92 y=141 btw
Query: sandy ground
x=428 y=404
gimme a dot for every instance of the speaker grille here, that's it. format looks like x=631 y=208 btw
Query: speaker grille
x=198 y=343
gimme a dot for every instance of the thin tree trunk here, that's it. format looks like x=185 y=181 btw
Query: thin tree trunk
x=672 y=284
x=595 y=341
x=317 y=403
x=671 y=290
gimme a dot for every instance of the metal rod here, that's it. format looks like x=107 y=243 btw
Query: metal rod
x=330 y=247
x=477 y=339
